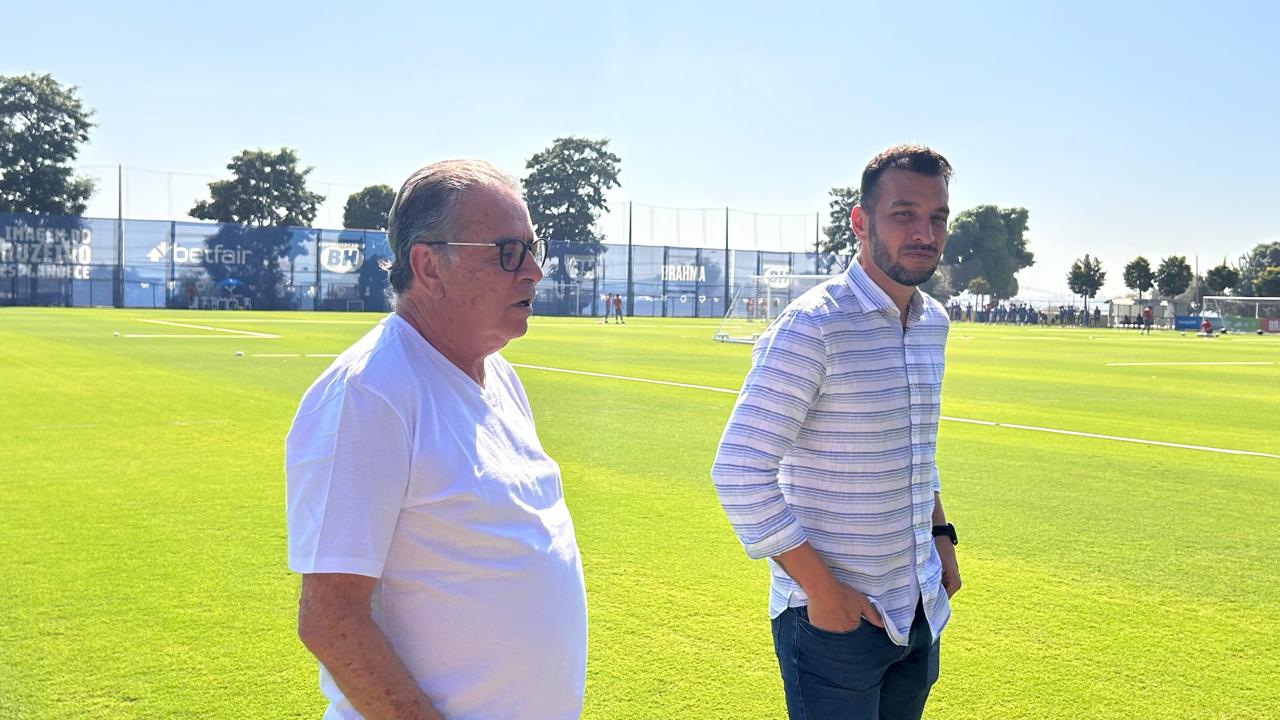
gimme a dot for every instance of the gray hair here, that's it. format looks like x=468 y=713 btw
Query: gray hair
x=425 y=206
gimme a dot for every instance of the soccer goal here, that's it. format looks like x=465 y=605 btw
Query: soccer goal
x=759 y=299
x=1244 y=314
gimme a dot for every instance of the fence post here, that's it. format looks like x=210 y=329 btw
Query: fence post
x=631 y=285
x=117 y=289
x=171 y=284
x=666 y=256
x=597 y=251
x=817 y=241
x=315 y=300
x=728 y=265
x=697 y=284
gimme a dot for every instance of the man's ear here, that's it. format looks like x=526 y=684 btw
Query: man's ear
x=858 y=221
x=426 y=264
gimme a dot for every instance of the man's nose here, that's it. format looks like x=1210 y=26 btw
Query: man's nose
x=529 y=269
x=923 y=233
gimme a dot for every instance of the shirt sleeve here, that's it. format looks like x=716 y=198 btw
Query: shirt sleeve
x=937 y=480
x=786 y=377
x=346 y=475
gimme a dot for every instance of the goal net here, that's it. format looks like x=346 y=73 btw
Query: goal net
x=1243 y=314
x=758 y=299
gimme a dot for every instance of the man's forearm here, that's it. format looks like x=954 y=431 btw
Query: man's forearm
x=368 y=671
x=807 y=567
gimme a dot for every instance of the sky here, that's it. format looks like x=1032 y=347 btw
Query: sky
x=1124 y=131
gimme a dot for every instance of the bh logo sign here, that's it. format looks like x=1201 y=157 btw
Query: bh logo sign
x=341 y=257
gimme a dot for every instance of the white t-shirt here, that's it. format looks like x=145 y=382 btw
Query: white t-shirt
x=401 y=467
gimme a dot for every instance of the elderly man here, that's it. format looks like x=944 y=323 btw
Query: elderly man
x=441 y=577
x=826 y=466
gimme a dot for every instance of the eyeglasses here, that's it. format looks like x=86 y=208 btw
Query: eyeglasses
x=511 y=258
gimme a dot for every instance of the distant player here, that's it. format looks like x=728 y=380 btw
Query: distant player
x=1146 y=319
x=1206 y=328
x=617 y=308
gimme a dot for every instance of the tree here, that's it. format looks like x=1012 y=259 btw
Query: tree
x=42 y=125
x=988 y=242
x=840 y=237
x=1261 y=257
x=978 y=287
x=1268 y=282
x=938 y=286
x=1173 y=277
x=1220 y=278
x=1086 y=278
x=368 y=208
x=267 y=190
x=565 y=188
x=1138 y=276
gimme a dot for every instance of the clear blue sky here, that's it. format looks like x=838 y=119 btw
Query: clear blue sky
x=1123 y=131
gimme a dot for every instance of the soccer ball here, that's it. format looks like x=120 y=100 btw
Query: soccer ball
x=239 y=353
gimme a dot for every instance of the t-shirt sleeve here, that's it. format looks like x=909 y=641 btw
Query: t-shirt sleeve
x=346 y=475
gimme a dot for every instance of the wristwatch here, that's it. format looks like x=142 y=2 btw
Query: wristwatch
x=947 y=530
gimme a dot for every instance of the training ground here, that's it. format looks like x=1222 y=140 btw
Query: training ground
x=1117 y=498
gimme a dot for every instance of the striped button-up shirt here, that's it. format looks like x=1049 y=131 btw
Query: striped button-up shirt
x=832 y=442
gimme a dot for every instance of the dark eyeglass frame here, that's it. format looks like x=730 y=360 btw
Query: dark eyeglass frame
x=537 y=247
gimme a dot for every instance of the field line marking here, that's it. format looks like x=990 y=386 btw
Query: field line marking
x=1152 y=364
x=238 y=333
x=987 y=423
x=1141 y=442
x=624 y=377
x=367 y=323
x=192 y=337
x=291 y=355
x=969 y=421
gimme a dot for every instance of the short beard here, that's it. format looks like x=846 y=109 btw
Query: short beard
x=896 y=273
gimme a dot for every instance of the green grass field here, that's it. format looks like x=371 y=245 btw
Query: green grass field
x=142 y=519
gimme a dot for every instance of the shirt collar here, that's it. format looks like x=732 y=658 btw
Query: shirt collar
x=873 y=299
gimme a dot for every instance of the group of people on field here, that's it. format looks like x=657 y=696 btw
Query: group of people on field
x=613 y=308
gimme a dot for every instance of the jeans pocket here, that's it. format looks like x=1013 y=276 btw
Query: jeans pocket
x=802 y=614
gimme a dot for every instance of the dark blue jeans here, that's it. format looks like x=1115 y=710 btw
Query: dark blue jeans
x=856 y=675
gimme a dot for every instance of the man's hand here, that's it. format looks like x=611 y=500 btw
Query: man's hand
x=842 y=610
x=946 y=551
x=950 y=568
x=833 y=606
x=335 y=625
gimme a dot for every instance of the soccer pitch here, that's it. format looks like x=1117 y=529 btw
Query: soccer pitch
x=142 y=518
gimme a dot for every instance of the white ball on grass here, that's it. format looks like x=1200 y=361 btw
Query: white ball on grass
x=239 y=353
x=116 y=333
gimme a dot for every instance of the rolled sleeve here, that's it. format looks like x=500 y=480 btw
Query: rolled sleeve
x=937 y=480
x=788 y=370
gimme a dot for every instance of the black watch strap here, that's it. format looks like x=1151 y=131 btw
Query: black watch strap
x=947 y=530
